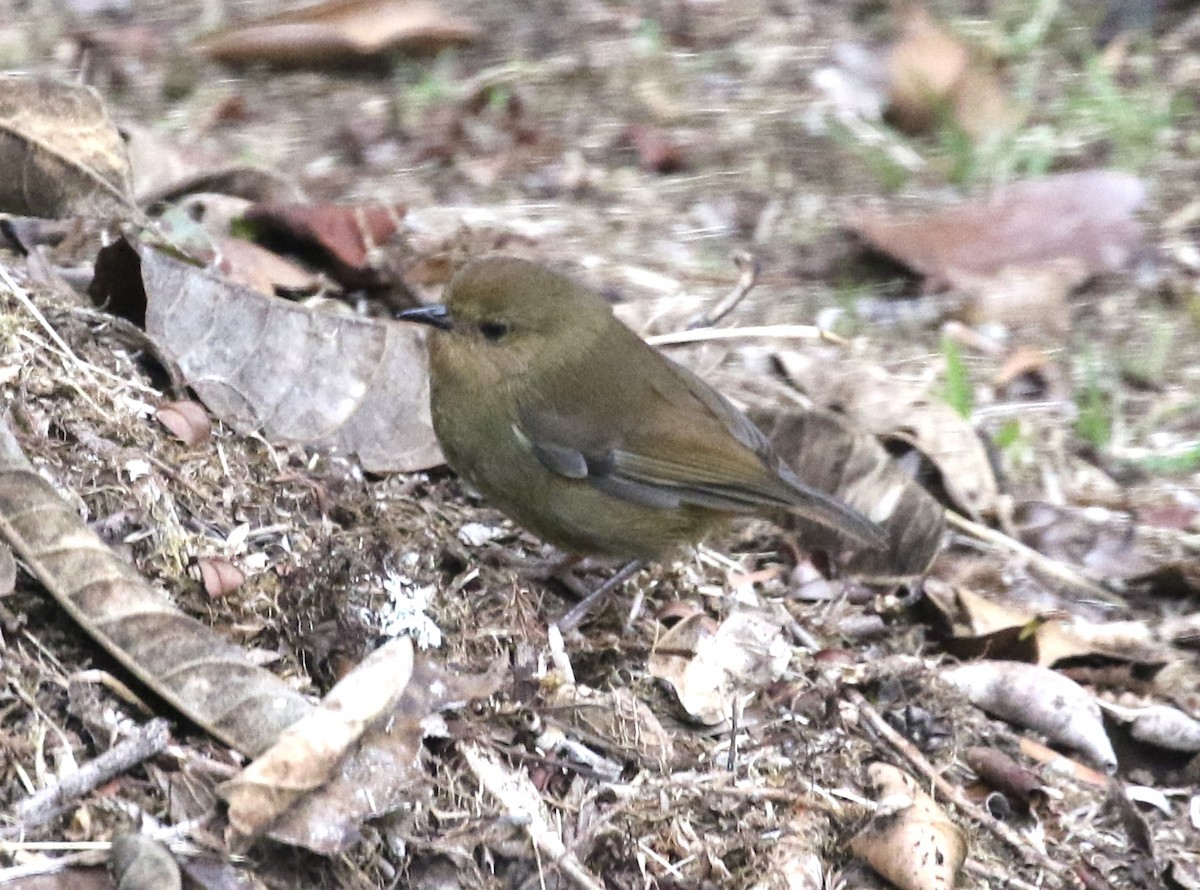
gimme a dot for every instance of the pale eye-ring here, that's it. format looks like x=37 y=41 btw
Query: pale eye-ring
x=493 y=330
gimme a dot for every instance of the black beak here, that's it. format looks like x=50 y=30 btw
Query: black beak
x=436 y=316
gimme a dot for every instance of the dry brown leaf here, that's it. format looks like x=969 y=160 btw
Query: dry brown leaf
x=187 y=421
x=219 y=576
x=307 y=753
x=933 y=74
x=1039 y=699
x=615 y=720
x=982 y=626
x=384 y=771
x=244 y=262
x=742 y=654
x=892 y=408
x=1085 y=217
x=340 y=238
x=353 y=384
x=910 y=840
x=60 y=153
x=201 y=675
x=164 y=170
x=830 y=455
x=343 y=31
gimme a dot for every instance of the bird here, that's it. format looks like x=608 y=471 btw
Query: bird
x=576 y=428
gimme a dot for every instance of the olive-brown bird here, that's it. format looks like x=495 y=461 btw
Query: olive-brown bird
x=571 y=424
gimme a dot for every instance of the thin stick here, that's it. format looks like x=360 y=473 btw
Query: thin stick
x=952 y=793
x=750 y=268
x=150 y=739
x=754 y=332
x=1051 y=567
x=577 y=613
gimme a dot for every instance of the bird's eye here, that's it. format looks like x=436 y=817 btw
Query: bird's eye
x=492 y=330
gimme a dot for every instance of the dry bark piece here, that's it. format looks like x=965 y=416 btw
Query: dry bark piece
x=745 y=652
x=204 y=677
x=187 y=421
x=338 y=237
x=60 y=153
x=341 y=32
x=892 y=408
x=353 y=384
x=142 y=863
x=910 y=840
x=1039 y=699
x=829 y=454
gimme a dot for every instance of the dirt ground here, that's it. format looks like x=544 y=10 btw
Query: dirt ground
x=639 y=146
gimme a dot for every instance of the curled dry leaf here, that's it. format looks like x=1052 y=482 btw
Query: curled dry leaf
x=744 y=653
x=1160 y=725
x=987 y=625
x=187 y=421
x=307 y=753
x=827 y=453
x=1005 y=775
x=341 y=32
x=142 y=863
x=219 y=576
x=353 y=384
x=60 y=153
x=1040 y=699
x=910 y=840
x=384 y=770
x=204 y=677
x=1083 y=223
x=892 y=408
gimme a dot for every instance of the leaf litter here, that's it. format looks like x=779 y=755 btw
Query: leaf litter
x=317 y=536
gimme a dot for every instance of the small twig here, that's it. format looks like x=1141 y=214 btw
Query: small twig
x=577 y=613
x=909 y=752
x=150 y=739
x=754 y=332
x=750 y=268
x=1051 y=567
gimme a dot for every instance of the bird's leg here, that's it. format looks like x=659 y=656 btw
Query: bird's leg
x=577 y=613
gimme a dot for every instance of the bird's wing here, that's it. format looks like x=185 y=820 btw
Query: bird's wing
x=669 y=439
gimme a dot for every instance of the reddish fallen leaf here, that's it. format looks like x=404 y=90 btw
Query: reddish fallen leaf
x=341 y=238
x=341 y=32
x=657 y=151
x=219 y=576
x=1086 y=216
x=186 y=420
